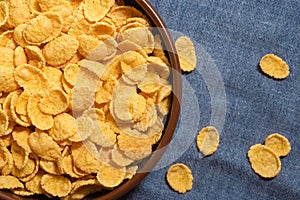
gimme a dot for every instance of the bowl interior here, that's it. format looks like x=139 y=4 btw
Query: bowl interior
x=151 y=13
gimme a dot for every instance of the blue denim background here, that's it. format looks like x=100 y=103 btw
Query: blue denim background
x=236 y=34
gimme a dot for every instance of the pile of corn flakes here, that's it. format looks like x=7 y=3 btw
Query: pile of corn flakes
x=84 y=91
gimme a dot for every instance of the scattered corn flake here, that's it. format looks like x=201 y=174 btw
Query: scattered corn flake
x=45 y=27
x=10 y=182
x=180 y=178
x=87 y=163
x=274 y=66
x=31 y=78
x=279 y=144
x=70 y=73
x=20 y=57
x=20 y=156
x=60 y=50
x=264 y=161
x=64 y=127
x=80 y=25
x=95 y=10
x=34 y=185
x=110 y=176
x=208 y=140
x=55 y=185
x=20 y=136
x=54 y=102
x=103 y=96
x=38 y=118
x=186 y=53
x=44 y=146
x=4 y=12
x=52 y=167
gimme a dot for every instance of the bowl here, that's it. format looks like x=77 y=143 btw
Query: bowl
x=170 y=124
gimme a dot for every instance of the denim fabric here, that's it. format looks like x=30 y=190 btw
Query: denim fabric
x=232 y=36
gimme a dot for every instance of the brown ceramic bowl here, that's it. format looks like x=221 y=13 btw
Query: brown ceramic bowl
x=151 y=13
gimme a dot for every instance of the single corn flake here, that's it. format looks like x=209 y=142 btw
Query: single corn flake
x=43 y=28
x=110 y=176
x=52 y=167
x=208 y=140
x=54 y=102
x=70 y=73
x=95 y=10
x=20 y=136
x=119 y=158
x=34 y=185
x=38 y=118
x=60 y=50
x=21 y=107
x=279 y=144
x=186 y=52
x=20 y=57
x=55 y=185
x=82 y=188
x=20 y=156
x=44 y=146
x=180 y=178
x=64 y=127
x=4 y=12
x=10 y=182
x=274 y=66
x=264 y=161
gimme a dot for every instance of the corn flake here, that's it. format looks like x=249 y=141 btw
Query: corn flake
x=54 y=102
x=60 y=50
x=186 y=52
x=180 y=178
x=54 y=77
x=35 y=56
x=119 y=158
x=208 y=140
x=20 y=57
x=95 y=10
x=20 y=156
x=70 y=73
x=20 y=136
x=264 y=161
x=3 y=122
x=44 y=146
x=10 y=182
x=31 y=78
x=63 y=128
x=38 y=118
x=274 y=66
x=18 y=35
x=4 y=12
x=109 y=176
x=279 y=144
x=51 y=167
x=34 y=185
x=55 y=185
x=43 y=28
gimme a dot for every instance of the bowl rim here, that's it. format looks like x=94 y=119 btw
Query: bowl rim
x=169 y=130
